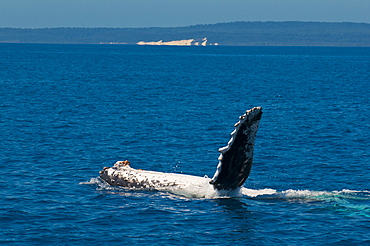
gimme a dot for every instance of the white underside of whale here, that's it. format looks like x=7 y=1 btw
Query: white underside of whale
x=181 y=184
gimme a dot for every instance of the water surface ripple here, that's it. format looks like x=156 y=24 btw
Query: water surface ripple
x=66 y=111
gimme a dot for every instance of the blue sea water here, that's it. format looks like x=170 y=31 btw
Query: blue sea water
x=66 y=111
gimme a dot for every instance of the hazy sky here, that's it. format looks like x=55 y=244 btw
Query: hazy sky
x=164 y=13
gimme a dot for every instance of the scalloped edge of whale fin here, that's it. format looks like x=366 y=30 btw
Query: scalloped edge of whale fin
x=235 y=161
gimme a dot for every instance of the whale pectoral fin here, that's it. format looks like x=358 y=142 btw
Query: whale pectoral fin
x=237 y=157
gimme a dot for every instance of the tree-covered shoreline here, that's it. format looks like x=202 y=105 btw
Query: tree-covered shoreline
x=291 y=33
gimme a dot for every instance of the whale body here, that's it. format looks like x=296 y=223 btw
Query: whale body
x=235 y=163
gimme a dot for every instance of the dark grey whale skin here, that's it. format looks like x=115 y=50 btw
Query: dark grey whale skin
x=236 y=159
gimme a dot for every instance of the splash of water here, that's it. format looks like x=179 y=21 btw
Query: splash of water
x=190 y=191
x=348 y=202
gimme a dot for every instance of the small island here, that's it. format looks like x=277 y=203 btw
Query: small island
x=184 y=42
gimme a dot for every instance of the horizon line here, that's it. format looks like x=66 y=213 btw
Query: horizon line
x=332 y=22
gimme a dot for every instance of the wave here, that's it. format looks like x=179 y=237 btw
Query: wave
x=261 y=194
x=307 y=194
x=346 y=202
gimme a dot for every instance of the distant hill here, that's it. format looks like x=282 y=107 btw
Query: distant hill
x=289 y=33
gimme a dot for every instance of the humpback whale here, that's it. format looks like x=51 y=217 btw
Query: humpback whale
x=234 y=167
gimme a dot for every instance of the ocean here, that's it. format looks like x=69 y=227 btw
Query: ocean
x=67 y=111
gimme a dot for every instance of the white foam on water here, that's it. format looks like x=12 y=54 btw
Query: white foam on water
x=256 y=193
x=349 y=202
x=301 y=194
x=92 y=181
x=99 y=183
